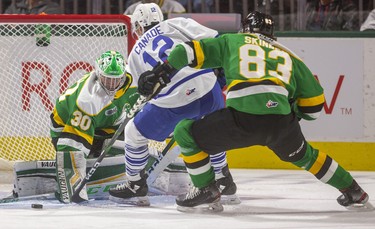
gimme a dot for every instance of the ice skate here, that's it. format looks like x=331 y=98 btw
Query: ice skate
x=206 y=199
x=130 y=192
x=354 y=198
x=227 y=188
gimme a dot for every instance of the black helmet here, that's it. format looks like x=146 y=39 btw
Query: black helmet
x=257 y=22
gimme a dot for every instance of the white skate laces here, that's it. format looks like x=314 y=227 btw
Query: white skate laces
x=193 y=192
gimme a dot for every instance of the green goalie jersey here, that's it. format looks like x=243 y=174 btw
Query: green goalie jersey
x=261 y=78
x=85 y=111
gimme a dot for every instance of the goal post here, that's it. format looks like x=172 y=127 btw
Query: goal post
x=42 y=55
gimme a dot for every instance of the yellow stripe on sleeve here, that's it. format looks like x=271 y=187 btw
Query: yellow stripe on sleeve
x=313 y=101
x=199 y=54
x=57 y=118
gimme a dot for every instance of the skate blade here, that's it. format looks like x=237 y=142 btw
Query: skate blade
x=361 y=207
x=136 y=201
x=204 y=208
x=230 y=199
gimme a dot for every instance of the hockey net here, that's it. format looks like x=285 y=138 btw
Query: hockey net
x=41 y=56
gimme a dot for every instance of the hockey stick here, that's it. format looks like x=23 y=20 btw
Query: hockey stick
x=137 y=106
x=277 y=45
x=7 y=200
x=164 y=159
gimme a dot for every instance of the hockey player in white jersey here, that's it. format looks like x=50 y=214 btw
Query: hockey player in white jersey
x=190 y=94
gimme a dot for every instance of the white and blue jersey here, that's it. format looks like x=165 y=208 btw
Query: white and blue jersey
x=192 y=93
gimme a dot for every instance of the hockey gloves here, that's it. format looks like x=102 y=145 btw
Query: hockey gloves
x=151 y=82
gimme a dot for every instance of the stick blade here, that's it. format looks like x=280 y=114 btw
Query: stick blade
x=76 y=198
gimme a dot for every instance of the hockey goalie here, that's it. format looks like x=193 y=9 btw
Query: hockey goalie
x=84 y=116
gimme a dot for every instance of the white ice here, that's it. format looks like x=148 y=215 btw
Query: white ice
x=270 y=199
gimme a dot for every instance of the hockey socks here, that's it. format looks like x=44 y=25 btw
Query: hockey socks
x=327 y=170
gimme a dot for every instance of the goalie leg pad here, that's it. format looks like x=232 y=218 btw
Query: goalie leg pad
x=71 y=169
x=34 y=178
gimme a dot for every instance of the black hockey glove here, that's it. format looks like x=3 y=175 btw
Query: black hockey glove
x=151 y=82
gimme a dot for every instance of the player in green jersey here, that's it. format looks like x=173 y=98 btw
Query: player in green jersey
x=269 y=90
x=94 y=106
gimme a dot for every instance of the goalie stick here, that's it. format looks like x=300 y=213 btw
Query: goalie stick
x=101 y=192
x=7 y=200
x=137 y=106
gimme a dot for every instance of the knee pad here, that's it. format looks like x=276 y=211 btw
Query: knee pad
x=294 y=155
x=133 y=137
x=182 y=134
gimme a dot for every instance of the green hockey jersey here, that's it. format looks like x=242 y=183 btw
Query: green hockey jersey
x=85 y=110
x=262 y=78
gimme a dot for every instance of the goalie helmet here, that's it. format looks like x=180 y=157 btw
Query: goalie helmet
x=110 y=69
x=145 y=16
x=257 y=22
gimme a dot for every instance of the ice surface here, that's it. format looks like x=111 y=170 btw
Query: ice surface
x=270 y=199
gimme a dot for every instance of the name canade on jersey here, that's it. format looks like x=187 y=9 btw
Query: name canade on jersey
x=261 y=78
x=154 y=47
x=84 y=109
x=144 y=40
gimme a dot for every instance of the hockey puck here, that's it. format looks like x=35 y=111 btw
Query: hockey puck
x=38 y=206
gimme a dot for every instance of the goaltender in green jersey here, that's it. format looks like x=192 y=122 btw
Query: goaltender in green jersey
x=87 y=112
x=269 y=90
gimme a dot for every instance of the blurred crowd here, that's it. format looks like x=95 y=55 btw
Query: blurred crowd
x=289 y=15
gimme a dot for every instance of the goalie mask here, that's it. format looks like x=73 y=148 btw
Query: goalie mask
x=145 y=16
x=110 y=69
x=257 y=22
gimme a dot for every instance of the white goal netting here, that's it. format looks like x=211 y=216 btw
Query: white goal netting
x=41 y=55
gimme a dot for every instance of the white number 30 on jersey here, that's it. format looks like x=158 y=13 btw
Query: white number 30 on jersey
x=83 y=121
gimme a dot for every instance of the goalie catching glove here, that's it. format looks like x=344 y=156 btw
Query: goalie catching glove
x=149 y=80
